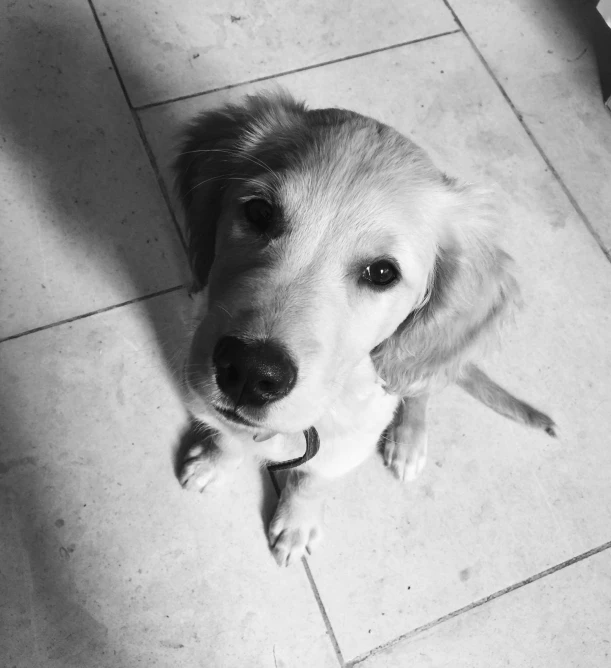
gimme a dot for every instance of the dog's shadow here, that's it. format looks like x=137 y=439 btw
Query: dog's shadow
x=59 y=119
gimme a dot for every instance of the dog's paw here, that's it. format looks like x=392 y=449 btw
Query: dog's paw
x=200 y=470
x=294 y=532
x=405 y=452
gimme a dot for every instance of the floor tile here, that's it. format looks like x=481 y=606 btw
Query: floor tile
x=497 y=502
x=166 y=50
x=83 y=224
x=110 y=563
x=561 y=621
x=544 y=60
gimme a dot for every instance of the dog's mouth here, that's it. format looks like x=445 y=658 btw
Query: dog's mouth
x=233 y=416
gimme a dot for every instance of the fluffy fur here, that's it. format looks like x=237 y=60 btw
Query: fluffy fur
x=346 y=191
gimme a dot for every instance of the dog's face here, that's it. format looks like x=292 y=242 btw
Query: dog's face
x=325 y=234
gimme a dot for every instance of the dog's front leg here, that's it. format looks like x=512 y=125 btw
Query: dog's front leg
x=297 y=524
x=210 y=461
x=406 y=443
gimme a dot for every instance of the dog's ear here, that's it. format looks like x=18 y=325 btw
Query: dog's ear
x=217 y=148
x=202 y=167
x=470 y=289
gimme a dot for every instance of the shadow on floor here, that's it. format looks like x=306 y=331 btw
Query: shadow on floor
x=62 y=121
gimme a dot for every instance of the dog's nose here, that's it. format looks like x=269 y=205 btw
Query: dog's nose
x=253 y=374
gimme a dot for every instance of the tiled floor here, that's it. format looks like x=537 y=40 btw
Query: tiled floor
x=498 y=555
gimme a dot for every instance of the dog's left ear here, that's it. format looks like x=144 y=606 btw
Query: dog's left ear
x=470 y=289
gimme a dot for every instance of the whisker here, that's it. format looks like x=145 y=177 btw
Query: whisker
x=224 y=309
x=235 y=153
x=390 y=440
x=262 y=185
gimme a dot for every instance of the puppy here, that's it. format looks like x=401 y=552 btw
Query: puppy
x=342 y=279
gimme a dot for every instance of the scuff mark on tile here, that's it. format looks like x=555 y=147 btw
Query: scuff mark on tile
x=5 y=467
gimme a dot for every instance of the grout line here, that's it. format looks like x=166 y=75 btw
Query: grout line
x=136 y=300
x=321 y=606
x=152 y=105
x=139 y=128
x=476 y=604
x=323 y=612
x=520 y=117
x=109 y=52
x=160 y=183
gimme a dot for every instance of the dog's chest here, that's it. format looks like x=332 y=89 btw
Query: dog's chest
x=364 y=408
x=354 y=421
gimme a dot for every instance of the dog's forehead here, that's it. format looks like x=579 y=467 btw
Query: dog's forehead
x=340 y=183
x=345 y=184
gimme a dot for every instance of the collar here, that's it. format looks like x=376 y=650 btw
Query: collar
x=312 y=447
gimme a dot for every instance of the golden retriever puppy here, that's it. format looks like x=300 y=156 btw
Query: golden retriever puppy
x=341 y=279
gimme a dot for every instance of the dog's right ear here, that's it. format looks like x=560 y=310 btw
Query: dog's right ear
x=203 y=167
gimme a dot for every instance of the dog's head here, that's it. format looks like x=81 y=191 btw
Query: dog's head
x=322 y=239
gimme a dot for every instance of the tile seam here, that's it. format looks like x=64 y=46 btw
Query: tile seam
x=314 y=588
x=89 y=314
x=140 y=129
x=476 y=604
x=584 y=218
x=306 y=68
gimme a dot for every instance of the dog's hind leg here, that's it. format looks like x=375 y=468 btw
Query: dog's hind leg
x=406 y=439
x=476 y=383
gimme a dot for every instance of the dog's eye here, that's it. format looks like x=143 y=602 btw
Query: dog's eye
x=381 y=273
x=259 y=212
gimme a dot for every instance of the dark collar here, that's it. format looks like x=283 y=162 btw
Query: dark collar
x=312 y=447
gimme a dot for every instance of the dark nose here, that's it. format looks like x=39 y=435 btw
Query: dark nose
x=253 y=374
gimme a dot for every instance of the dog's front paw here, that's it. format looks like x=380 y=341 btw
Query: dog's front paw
x=405 y=451
x=295 y=530
x=199 y=469
x=204 y=467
